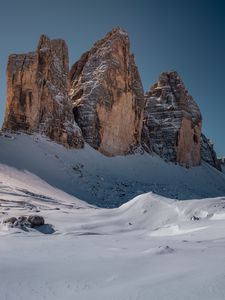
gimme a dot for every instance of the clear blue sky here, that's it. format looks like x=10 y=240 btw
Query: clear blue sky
x=187 y=36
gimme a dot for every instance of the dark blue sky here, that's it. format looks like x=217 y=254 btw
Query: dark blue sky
x=187 y=36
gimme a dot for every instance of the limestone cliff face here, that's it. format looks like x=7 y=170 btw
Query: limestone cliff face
x=21 y=106
x=37 y=94
x=107 y=95
x=172 y=122
x=103 y=93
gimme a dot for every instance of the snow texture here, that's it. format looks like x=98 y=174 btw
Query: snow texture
x=149 y=248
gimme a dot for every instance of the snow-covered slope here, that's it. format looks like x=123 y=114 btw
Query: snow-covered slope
x=149 y=248
x=25 y=186
x=103 y=181
x=24 y=193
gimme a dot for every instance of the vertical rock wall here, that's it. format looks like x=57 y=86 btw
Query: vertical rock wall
x=172 y=122
x=107 y=95
x=37 y=94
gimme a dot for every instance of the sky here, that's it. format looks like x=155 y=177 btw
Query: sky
x=186 y=35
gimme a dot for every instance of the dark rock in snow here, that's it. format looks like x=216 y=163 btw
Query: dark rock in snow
x=10 y=221
x=24 y=222
x=36 y=220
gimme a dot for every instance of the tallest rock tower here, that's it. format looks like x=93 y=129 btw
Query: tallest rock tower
x=107 y=95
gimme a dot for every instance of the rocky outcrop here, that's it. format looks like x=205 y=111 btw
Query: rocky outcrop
x=208 y=153
x=37 y=94
x=107 y=95
x=24 y=222
x=172 y=122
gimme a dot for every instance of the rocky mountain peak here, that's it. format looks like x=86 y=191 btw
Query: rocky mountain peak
x=172 y=93
x=172 y=121
x=107 y=95
x=37 y=93
x=101 y=101
x=44 y=41
x=114 y=35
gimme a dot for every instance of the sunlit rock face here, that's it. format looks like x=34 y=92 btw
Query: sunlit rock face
x=37 y=94
x=101 y=101
x=172 y=122
x=107 y=95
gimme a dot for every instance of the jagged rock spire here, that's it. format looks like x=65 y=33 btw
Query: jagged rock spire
x=37 y=93
x=104 y=94
x=107 y=95
x=172 y=121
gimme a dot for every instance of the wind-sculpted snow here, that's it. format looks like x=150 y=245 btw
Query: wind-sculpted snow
x=149 y=248
x=24 y=193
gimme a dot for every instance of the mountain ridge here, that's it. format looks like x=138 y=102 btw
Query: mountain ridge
x=101 y=101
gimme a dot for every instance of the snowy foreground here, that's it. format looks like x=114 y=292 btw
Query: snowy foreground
x=149 y=248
